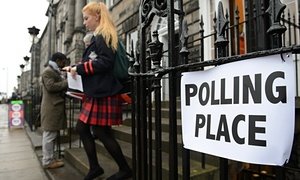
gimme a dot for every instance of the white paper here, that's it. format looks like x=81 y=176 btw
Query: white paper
x=74 y=95
x=75 y=83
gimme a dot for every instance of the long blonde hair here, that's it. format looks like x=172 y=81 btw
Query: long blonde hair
x=106 y=26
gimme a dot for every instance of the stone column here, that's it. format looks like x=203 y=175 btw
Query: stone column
x=78 y=15
x=79 y=30
x=70 y=22
x=51 y=29
x=53 y=32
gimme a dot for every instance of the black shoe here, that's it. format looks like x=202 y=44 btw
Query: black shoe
x=121 y=175
x=94 y=173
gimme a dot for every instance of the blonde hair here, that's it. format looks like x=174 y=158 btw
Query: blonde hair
x=106 y=26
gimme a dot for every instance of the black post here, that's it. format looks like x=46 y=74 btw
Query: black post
x=201 y=39
x=173 y=154
x=33 y=31
x=221 y=44
x=149 y=103
x=184 y=55
x=156 y=48
x=141 y=113
x=133 y=68
x=28 y=119
x=275 y=10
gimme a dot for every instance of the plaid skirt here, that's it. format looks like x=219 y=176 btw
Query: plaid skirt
x=104 y=111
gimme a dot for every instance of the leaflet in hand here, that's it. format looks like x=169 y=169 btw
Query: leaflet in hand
x=77 y=95
x=75 y=83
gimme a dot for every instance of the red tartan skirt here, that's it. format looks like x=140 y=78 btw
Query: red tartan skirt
x=104 y=111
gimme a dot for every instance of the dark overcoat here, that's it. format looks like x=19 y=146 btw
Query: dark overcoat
x=53 y=115
x=97 y=70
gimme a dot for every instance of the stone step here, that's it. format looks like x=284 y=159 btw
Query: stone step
x=123 y=133
x=164 y=104
x=164 y=124
x=77 y=157
x=164 y=112
x=68 y=171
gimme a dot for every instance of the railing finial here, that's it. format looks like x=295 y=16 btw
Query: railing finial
x=184 y=39
x=276 y=29
x=155 y=48
x=275 y=10
x=222 y=23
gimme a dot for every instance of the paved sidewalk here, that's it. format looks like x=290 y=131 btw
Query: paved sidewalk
x=17 y=157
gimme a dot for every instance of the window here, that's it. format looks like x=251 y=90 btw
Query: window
x=132 y=37
x=110 y=3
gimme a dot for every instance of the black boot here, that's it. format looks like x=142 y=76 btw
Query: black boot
x=121 y=175
x=93 y=173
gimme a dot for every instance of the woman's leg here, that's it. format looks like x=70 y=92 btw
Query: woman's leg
x=105 y=134
x=90 y=149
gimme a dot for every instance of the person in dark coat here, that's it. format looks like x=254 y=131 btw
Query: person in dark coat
x=53 y=116
x=102 y=103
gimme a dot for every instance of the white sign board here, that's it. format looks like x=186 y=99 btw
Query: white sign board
x=243 y=111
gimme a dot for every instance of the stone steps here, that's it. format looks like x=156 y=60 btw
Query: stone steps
x=78 y=159
x=76 y=165
x=77 y=156
x=66 y=172
x=124 y=133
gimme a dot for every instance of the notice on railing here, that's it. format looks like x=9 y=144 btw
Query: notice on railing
x=244 y=111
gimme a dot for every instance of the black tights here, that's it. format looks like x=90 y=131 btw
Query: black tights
x=105 y=135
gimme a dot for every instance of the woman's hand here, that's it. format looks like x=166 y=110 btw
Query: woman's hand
x=72 y=70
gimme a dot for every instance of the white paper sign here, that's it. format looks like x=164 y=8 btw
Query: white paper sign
x=74 y=83
x=243 y=111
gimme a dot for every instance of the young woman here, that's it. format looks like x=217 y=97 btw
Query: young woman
x=102 y=104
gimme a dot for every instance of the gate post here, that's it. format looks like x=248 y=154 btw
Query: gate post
x=149 y=73
x=184 y=52
x=133 y=68
x=276 y=30
x=221 y=44
x=173 y=152
x=141 y=111
x=156 y=48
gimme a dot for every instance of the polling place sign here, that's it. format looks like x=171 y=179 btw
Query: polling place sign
x=243 y=111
